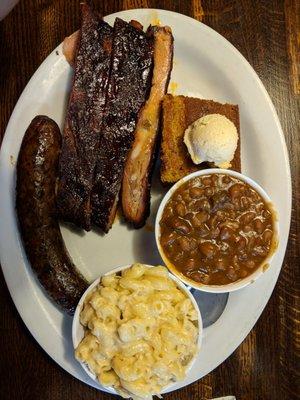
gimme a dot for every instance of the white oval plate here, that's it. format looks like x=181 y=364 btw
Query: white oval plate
x=207 y=65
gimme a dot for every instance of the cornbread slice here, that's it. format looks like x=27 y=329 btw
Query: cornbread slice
x=178 y=113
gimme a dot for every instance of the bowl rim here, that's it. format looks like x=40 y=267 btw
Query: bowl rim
x=76 y=325
x=241 y=283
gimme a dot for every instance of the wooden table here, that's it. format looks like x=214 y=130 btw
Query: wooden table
x=265 y=32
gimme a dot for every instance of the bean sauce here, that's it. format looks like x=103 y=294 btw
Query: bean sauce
x=216 y=229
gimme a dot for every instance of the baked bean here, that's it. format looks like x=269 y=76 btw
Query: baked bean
x=224 y=247
x=190 y=263
x=186 y=244
x=231 y=273
x=219 y=199
x=216 y=229
x=187 y=271
x=243 y=255
x=180 y=225
x=184 y=228
x=214 y=179
x=214 y=233
x=205 y=279
x=169 y=238
x=206 y=181
x=234 y=225
x=242 y=273
x=209 y=191
x=258 y=225
x=195 y=206
x=235 y=261
x=230 y=216
x=269 y=225
x=228 y=206
x=194 y=253
x=236 y=190
x=213 y=221
x=177 y=197
x=221 y=215
x=206 y=205
x=203 y=231
x=267 y=236
x=180 y=209
x=236 y=202
x=259 y=241
x=200 y=277
x=195 y=275
x=221 y=264
x=250 y=264
x=245 y=202
x=259 y=207
x=226 y=179
x=248 y=228
x=178 y=256
x=247 y=217
x=208 y=249
x=234 y=239
x=200 y=205
x=266 y=214
x=168 y=212
x=255 y=196
x=168 y=247
x=196 y=192
x=226 y=233
x=221 y=196
x=189 y=216
x=250 y=243
x=199 y=218
x=259 y=250
x=186 y=196
x=241 y=243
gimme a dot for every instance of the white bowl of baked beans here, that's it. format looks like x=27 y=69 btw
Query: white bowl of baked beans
x=217 y=230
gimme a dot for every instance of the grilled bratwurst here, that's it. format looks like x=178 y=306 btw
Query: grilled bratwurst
x=36 y=209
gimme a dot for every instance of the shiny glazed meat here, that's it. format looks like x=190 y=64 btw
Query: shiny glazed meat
x=216 y=229
x=36 y=210
x=128 y=88
x=82 y=130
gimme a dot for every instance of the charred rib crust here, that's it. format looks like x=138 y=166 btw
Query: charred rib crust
x=128 y=87
x=84 y=119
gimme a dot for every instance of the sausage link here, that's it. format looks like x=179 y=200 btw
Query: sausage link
x=36 y=211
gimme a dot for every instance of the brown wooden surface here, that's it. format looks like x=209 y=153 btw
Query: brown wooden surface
x=266 y=365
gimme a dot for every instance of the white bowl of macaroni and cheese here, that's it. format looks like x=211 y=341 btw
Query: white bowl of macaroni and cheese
x=137 y=330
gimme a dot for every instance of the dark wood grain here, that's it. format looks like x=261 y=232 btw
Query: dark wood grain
x=264 y=367
x=292 y=15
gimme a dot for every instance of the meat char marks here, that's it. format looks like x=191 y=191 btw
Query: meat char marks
x=82 y=129
x=129 y=84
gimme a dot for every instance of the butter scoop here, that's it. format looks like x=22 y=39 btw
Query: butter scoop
x=212 y=138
